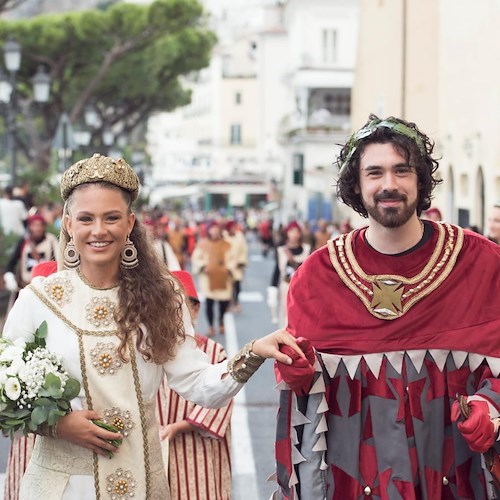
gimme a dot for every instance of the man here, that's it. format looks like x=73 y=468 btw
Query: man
x=37 y=246
x=404 y=315
x=494 y=224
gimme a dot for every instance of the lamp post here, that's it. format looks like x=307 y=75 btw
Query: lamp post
x=8 y=95
x=12 y=58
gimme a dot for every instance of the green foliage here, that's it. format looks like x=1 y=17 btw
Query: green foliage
x=126 y=59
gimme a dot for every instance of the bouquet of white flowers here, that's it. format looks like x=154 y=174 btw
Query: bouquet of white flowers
x=35 y=389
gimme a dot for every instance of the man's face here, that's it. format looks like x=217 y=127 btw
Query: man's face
x=388 y=185
x=37 y=230
x=494 y=225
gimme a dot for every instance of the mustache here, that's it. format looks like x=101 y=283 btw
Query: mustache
x=390 y=195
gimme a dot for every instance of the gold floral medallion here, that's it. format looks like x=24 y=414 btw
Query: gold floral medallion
x=100 y=312
x=59 y=290
x=105 y=358
x=121 y=485
x=119 y=418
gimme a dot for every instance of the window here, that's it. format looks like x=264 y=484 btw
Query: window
x=298 y=169
x=237 y=98
x=329 y=44
x=236 y=133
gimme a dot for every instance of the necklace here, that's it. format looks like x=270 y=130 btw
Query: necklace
x=90 y=284
x=388 y=296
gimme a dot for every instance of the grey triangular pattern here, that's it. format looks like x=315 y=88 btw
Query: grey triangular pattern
x=282 y=386
x=323 y=406
x=297 y=457
x=351 y=363
x=459 y=358
x=317 y=365
x=374 y=362
x=475 y=361
x=318 y=386
x=298 y=418
x=320 y=444
x=494 y=364
x=331 y=362
x=417 y=357
x=395 y=358
x=294 y=438
x=272 y=477
x=293 y=478
x=324 y=465
x=322 y=426
x=440 y=356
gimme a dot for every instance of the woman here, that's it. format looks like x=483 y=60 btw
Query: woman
x=288 y=258
x=214 y=261
x=119 y=321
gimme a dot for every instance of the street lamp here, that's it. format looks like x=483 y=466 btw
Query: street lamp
x=8 y=95
x=12 y=58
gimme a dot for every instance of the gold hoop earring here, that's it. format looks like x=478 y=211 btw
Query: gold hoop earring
x=71 y=256
x=129 y=255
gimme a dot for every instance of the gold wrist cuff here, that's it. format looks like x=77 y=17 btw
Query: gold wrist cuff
x=248 y=367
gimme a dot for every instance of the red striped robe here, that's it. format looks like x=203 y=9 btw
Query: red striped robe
x=19 y=457
x=199 y=462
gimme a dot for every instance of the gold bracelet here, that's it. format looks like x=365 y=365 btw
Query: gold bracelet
x=250 y=365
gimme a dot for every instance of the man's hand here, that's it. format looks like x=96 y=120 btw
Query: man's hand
x=299 y=375
x=477 y=429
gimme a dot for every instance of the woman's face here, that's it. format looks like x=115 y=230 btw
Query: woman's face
x=99 y=222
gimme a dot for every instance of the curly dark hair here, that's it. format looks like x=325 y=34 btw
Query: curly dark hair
x=408 y=140
x=149 y=297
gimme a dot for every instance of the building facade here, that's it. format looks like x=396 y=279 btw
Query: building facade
x=430 y=62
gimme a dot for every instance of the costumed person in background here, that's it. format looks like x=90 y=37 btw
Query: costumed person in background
x=199 y=449
x=493 y=232
x=37 y=246
x=240 y=251
x=21 y=447
x=322 y=235
x=13 y=213
x=214 y=262
x=118 y=320
x=161 y=245
x=432 y=214
x=395 y=320
x=288 y=259
x=177 y=240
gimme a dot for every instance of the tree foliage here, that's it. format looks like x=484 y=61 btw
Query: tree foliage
x=126 y=60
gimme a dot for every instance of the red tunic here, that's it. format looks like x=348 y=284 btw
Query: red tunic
x=376 y=421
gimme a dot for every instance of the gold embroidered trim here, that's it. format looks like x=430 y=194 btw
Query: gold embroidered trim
x=104 y=333
x=385 y=299
x=140 y=401
x=91 y=285
x=80 y=333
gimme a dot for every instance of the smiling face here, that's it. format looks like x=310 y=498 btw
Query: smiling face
x=388 y=185
x=99 y=221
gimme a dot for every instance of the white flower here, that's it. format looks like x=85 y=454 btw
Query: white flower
x=13 y=388
x=12 y=352
x=16 y=365
x=25 y=374
x=3 y=377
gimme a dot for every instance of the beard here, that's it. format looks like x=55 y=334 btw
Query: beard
x=390 y=217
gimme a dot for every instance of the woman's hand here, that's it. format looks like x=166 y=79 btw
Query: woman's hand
x=269 y=346
x=171 y=431
x=77 y=428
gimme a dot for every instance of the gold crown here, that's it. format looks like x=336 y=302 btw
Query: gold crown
x=100 y=168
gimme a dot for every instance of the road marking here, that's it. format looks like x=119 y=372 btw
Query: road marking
x=243 y=297
x=243 y=462
x=251 y=297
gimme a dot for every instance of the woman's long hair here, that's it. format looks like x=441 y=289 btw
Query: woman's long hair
x=149 y=298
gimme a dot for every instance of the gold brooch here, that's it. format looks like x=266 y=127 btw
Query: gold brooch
x=119 y=418
x=121 y=485
x=59 y=290
x=105 y=358
x=100 y=311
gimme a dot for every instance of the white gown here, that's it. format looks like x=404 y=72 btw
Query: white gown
x=190 y=373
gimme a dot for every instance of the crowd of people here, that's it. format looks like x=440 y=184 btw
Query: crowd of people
x=387 y=354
